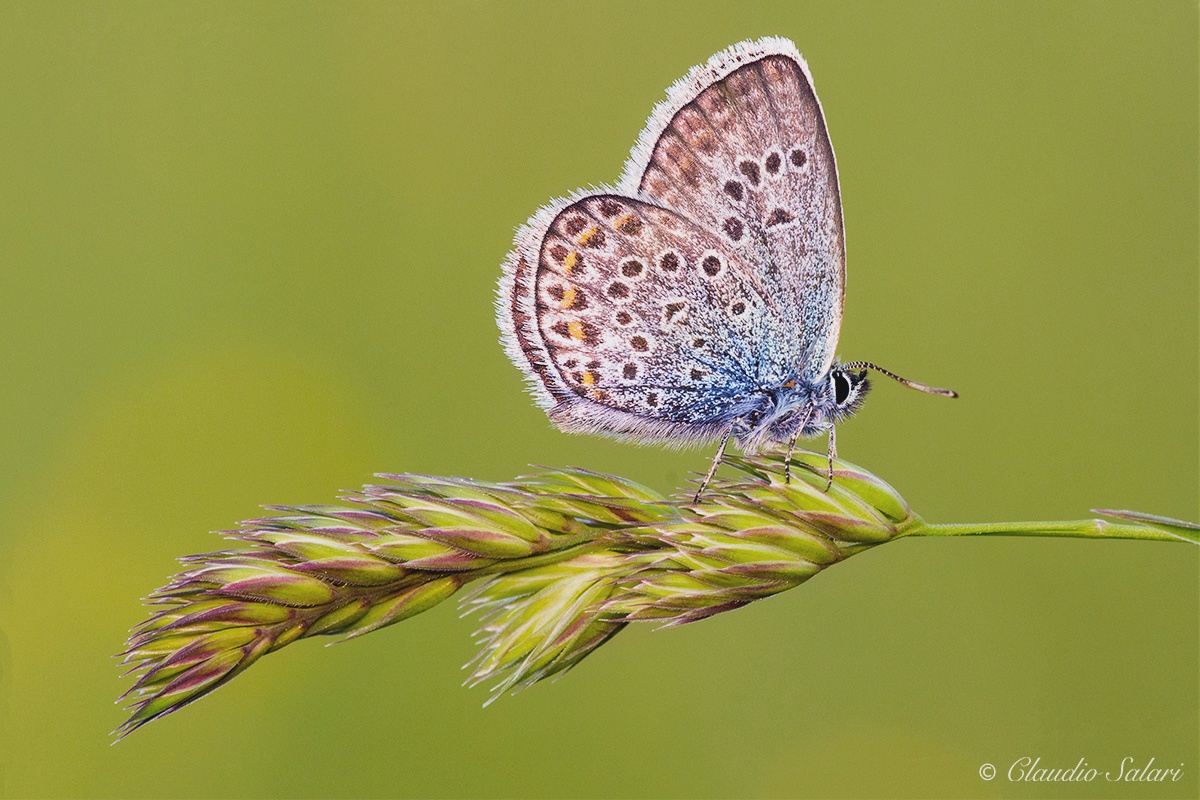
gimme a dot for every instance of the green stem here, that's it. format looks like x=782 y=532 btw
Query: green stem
x=1079 y=529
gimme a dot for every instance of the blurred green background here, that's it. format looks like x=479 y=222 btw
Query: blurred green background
x=247 y=255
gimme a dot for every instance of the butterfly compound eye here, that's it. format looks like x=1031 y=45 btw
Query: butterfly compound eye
x=841 y=388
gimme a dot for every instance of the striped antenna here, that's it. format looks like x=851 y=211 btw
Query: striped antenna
x=920 y=387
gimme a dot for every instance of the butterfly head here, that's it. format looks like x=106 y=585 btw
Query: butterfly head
x=839 y=394
x=845 y=390
x=836 y=396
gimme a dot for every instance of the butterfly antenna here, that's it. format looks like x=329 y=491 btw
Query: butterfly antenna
x=920 y=387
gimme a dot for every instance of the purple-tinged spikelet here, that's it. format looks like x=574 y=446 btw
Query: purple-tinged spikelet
x=565 y=560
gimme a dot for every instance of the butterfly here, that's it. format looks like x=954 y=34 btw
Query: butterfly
x=700 y=298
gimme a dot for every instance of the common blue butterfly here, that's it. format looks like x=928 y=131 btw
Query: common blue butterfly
x=701 y=297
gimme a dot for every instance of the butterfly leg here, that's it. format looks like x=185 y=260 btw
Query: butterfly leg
x=831 y=454
x=712 y=470
x=787 y=465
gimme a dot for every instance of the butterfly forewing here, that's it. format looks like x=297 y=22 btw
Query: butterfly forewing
x=749 y=158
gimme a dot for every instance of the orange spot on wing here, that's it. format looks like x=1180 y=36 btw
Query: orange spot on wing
x=630 y=224
x=589 y=378
x=588 y=236
x=568 y=298
x=570 y=260
x=575 y=330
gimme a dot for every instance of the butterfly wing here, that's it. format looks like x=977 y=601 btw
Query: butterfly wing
x=635 y=321
x=740 y=147
x=665 y=310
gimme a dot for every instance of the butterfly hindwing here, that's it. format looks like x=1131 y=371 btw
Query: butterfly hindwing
x=642 y=311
